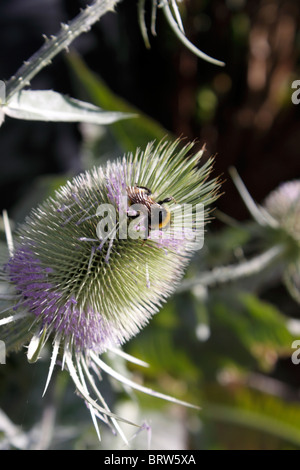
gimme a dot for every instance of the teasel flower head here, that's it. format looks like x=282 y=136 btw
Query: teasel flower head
x=279 y=218
x=283 y=204
x=88 y=268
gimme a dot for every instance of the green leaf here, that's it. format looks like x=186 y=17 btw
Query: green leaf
x=129 y=134
x=242 y=410
x=48 y=105
x=273 y=329
x=222 y=245
x=164 y=343
x=257 y=325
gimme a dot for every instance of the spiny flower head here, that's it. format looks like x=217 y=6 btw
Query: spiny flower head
x=89 y=268
x=279 y=218
x=283 y=204
x=94 y=292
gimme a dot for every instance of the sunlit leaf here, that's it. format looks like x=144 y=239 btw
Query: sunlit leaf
x=48 y=105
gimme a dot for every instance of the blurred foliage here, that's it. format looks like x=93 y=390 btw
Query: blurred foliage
x=227 y=348
x=129 y=134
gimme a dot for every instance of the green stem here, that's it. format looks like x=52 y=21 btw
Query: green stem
x=234 y=272
x=141 y=17
x=52 y=46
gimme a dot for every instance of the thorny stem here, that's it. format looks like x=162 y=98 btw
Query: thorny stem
x=52 y=46
x=234 y=272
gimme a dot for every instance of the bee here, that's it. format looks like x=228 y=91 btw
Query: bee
x=159 y=216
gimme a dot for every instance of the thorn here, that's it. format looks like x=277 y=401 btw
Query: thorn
x=64 y=26
x=46 y=62
x=8 y=233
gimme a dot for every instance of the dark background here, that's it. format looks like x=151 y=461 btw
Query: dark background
x=243 y=112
